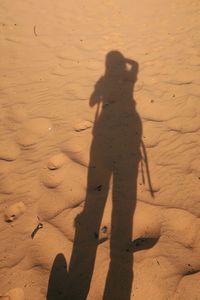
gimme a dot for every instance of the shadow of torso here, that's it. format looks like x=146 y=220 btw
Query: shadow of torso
x=117 y=127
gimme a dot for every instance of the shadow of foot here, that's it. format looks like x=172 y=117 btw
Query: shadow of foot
x=142 y=244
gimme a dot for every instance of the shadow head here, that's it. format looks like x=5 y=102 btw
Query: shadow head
x=115 y=62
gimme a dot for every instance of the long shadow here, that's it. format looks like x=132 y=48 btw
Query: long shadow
x=114 y=153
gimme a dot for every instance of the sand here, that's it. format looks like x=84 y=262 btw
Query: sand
x=99 y=150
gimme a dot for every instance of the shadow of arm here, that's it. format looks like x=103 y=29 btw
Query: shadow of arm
x=97 y=94
x=133 y=70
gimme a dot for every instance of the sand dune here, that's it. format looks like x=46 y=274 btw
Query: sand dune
x=99 y=151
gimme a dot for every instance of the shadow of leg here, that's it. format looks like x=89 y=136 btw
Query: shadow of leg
x=86 y=239
x=120 y=275
x=58 y=279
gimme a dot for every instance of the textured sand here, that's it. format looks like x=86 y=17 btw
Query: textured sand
x=52 y=61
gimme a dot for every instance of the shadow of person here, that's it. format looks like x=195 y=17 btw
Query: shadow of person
x=114 y=153
x=57 y=279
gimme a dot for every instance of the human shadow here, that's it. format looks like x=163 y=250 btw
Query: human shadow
x=58 y=279
x=115 y=154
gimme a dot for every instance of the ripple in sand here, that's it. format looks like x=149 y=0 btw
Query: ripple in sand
x=9 y=151
x=17 y=113
x=33 y=130
x=83 y=125
x=7 y=185
x=77 y=152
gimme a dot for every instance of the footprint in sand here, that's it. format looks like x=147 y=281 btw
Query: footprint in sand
x=52 y=178
x=14 y=211
x=54 y=174
x=56 y=161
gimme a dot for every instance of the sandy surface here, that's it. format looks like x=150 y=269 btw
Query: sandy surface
x=100 y=150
